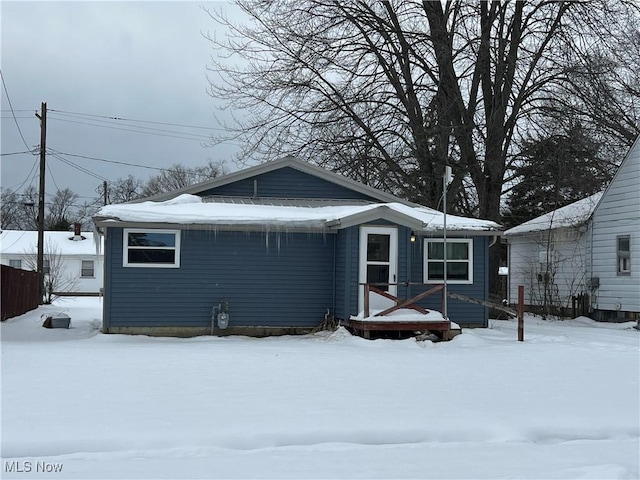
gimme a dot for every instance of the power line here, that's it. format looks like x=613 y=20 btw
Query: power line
x=108 y=161
x=139 y=121
x=4 y=85
x=78 y=167
x=133 y=126
x=15 y=153
x=202 y=138
x=29 y=175
x=53 y=179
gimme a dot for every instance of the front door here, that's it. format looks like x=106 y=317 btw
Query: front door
x=378 y=263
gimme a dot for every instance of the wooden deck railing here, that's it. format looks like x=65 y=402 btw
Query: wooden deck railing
x=409 y=303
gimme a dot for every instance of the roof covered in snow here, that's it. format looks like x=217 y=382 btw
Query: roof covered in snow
x=21 y=242
x=193 y=210
x=572 y=215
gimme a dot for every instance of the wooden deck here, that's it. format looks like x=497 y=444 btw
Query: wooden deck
x=365 y=328
x=414 y=326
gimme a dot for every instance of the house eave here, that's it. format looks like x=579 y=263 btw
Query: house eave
x=289 y=227
x=380 y=213
x=463 y=231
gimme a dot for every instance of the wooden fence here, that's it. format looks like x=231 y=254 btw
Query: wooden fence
x=19 y=291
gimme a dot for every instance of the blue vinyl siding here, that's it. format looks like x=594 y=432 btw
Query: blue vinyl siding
x=269 y=279
x=286 y=183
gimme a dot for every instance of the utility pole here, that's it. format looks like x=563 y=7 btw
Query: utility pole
x=104 y=191
x=43 y=147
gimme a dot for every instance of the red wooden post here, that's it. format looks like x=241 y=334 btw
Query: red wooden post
x=521 y=313
x=366 y=300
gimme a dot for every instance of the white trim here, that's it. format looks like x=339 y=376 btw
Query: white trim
x=425 y=260
x=363 y=262
x=126 y=247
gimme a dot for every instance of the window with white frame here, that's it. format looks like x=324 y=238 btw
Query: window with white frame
x=459 y=260
x=151 y=248
x=624 y=254
x=87 y=269
x=15 y=263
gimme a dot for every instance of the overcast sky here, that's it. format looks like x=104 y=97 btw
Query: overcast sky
x=133 y=60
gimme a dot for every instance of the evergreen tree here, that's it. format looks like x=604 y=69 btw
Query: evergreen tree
x=554 y=171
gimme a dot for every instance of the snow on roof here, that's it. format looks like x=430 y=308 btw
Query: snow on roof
x=570 y=215
x=190 y=209
x=21 y=242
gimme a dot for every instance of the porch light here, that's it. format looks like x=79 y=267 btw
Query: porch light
x=412 y=238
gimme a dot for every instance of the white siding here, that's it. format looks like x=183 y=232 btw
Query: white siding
x=71 y=269
x=618 y=213
x=567 y=260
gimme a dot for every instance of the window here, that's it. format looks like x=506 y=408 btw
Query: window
x=15 y=263
x=624 y=255
x=547 y=263
x=46 y=266
x=151 y=248
x=87 y=269
x=459 y=260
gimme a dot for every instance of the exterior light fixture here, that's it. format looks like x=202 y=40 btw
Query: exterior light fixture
x=412 y=238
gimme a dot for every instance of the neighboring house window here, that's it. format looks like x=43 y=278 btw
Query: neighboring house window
x=459 y=261
x=624 y=255
x=46 y=266
x=547 y=264
x=151 y=248
x=87 y=269
x=15 y=263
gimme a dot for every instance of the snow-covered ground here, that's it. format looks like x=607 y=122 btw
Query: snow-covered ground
x=562 y=404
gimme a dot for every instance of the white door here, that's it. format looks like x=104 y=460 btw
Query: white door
x=378 y=263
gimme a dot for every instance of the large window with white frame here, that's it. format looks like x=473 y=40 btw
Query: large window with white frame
x=15 y=263
x=624 y=254
x=151 y=248
x=459 y=260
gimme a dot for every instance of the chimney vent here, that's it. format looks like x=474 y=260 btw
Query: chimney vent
x=77 y=234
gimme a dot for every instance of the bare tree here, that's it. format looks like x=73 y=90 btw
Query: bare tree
x=61 y=212
x=603 y=85
x=10 y=211
x=389 y=92
x=180 y=176
x=18 y=211
x=56 y=277
x=122 y=190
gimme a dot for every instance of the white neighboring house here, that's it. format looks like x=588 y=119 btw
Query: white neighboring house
x=549 y=256
x=584 y=250
x=614 y=259
x=81 y=261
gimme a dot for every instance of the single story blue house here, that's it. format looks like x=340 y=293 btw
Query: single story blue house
x=278 y=248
